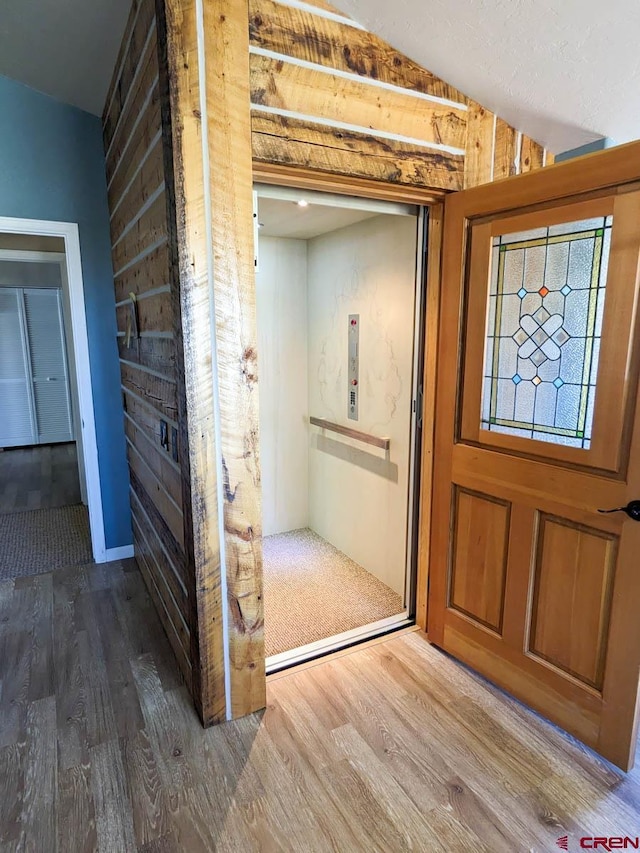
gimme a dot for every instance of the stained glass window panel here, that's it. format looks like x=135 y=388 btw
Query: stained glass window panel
x=544 y=323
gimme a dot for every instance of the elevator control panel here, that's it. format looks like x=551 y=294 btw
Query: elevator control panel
x=354 y=367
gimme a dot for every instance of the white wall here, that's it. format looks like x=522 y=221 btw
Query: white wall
x=357 y=496
x=281 y=286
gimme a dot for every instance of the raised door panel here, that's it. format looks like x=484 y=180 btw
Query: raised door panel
x=479 y=557
x=571 y=603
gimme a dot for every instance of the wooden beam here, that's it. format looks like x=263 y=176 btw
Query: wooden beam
x=531 y=155
x=208 y=165
x=301 y=34
x=134 y=106
x=154 y=314
x=291 y=142
x=145 y=182
x=157 y=459
x=120 y=169
x=140 y=35
x=478 y=162
x=148 y=273
x=158 y=354
x=505 y=154
x=184 y=175
x=226 y=47
x=149 y=386
x=283 y=85
x=314 y=179
x=150 y=227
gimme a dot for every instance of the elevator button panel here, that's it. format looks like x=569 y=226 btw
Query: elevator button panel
x=354 y=366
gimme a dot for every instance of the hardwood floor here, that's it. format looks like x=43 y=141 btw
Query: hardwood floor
x=389 y=748
x=39 y=477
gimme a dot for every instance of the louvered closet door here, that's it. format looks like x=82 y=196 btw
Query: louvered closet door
x=45 y=335
x=16 y=421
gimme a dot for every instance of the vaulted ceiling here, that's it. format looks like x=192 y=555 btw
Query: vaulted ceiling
x=564 y=72
x=64 y=48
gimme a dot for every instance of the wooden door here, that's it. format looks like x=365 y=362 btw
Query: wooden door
x=537 y=429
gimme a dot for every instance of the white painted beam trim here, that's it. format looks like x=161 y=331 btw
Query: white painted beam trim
x=148 y=370
x=153 y=291
x=153 y=197
x=143 y=402
x=143 y=108
x=132 y=86
x=167 y=588
x=167 y=456
x=321 y=13
x=358 y=78
x=356 y=128
x=143 y=254
x=125 y=53
x=154 y=475
x=143 y=512
x=144 y=159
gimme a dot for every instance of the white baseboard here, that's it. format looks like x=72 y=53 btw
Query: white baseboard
x=121 y=553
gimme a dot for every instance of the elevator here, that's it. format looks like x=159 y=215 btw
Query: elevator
x=339 y=308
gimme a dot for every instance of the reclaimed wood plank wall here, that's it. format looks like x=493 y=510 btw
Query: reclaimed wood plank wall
x=208 y=143
x=196 y=520
x=289 y=85
x=328 y=95
x=149 y=354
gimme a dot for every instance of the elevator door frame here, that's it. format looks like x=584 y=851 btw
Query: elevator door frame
x=426 y=315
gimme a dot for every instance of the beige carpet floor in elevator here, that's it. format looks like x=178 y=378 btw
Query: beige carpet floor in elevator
x=313 y=591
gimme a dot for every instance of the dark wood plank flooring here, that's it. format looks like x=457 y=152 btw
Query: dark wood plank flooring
x=392 y=747
x=39 y=477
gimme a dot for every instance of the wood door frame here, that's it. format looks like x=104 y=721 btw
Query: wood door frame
x=310 y=179
x=60 y=259
x=73 y=288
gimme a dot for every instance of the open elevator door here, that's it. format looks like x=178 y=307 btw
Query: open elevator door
x=534 y=577
x=365 y=271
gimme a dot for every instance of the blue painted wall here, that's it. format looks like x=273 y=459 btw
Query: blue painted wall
x=589 y=148
x=52 y=167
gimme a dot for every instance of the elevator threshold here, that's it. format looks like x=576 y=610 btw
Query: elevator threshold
x=320 y=648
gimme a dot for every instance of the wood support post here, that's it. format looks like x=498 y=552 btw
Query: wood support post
x=204 y=81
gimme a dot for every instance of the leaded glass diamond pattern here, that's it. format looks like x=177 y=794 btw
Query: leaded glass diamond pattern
x=546 y=343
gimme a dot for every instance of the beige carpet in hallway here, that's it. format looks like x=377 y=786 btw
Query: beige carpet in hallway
x=313 y=591
x=43 y=540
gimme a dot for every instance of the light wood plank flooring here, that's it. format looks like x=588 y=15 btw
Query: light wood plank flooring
x=393 y=747
x=39 y=477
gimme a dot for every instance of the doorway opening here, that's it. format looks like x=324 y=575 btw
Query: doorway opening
x=339 y=307
x=50 y=502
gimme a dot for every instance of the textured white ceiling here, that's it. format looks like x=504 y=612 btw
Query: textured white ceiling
x=64 y=48
x=285 y=219
x=565 y=72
